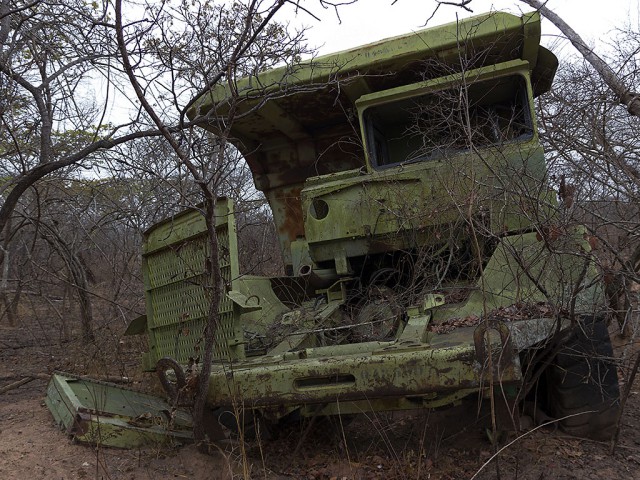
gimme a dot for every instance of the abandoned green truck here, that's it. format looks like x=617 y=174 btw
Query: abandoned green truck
x=426 y=256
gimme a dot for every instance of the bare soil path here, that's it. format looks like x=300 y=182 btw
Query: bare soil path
x=448 y=444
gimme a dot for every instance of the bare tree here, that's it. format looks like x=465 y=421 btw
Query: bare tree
x=624 y=91
x=53 y=56
x=593 y=153
x=192 y=58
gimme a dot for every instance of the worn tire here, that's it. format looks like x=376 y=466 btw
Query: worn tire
x=583 y=378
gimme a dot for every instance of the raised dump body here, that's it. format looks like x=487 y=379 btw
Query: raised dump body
x=420 y=239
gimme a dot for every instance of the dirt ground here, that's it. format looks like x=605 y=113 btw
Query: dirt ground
x=448 y=444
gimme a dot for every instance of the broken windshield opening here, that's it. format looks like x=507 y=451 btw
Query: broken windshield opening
x=448 y=122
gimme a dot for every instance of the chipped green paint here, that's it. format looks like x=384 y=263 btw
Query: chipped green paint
x=357 y=195
x=174 y=264
x=105 y=414
x=305 y=127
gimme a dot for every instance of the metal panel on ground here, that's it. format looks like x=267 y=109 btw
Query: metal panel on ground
x=109 y=415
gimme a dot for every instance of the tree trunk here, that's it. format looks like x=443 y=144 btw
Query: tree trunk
x=78 y=281
x=82 y=289
x=631 y=100
x=214 y=288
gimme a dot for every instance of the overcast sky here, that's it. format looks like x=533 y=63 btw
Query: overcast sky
x=369 y=20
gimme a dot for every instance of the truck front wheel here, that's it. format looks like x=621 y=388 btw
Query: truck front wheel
x=583 y=382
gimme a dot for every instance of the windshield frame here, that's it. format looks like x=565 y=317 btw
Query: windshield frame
x=373 y=140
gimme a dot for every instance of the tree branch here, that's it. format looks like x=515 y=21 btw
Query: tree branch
x=631 y=100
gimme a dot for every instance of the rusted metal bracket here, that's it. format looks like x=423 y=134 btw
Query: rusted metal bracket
x=480 y=335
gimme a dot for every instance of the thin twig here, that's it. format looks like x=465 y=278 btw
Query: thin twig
x=17 y=384
x=524 y=435
x=623 y=401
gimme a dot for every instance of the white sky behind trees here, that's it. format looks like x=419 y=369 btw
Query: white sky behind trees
x=369 y=20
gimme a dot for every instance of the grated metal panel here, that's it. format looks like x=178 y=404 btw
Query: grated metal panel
x=179 y=301
x=177 y=263
x=178 y=289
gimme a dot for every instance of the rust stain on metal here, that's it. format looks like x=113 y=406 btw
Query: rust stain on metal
x=289 y=200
